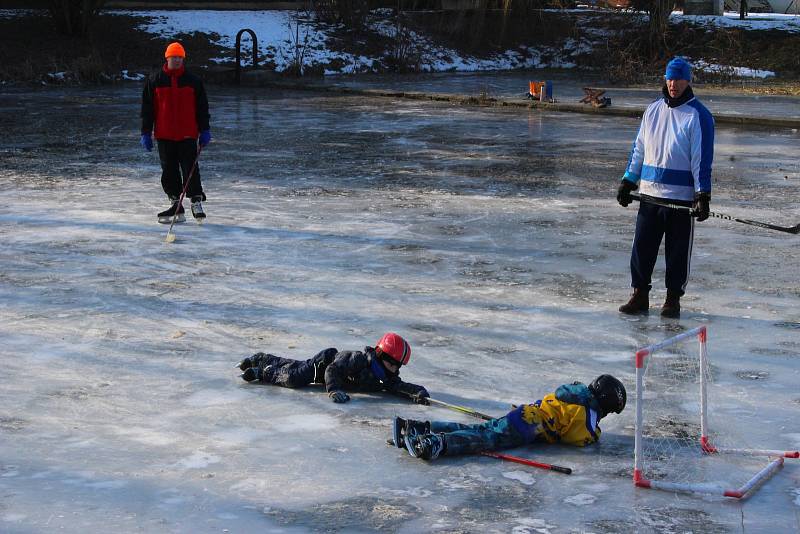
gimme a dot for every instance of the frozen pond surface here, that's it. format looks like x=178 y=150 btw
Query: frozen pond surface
x=568 y=89
x=490 y=239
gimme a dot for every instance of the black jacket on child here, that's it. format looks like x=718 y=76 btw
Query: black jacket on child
x=348 y=370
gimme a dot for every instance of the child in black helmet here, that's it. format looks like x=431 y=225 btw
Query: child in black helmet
x=570 y=415
x=373 y=369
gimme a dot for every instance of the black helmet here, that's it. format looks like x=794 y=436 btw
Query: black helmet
x=610 y=393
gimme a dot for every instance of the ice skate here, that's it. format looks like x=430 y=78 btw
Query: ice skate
x=407 y=427
x=197 y=211
x=425 y=446
x=165 y=217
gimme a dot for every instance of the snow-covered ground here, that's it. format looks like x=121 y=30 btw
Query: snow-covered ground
x=490 y=239
x=281 y=34
x=277 y=38
x=276 y=32
x=754 y=21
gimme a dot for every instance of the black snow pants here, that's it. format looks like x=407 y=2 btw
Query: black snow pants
x=294 y=373
x=652 y=224
x=177 y=158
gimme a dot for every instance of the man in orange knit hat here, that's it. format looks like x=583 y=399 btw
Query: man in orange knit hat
x=175 y=108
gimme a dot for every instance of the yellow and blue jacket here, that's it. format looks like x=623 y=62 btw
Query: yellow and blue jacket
x=570 y=415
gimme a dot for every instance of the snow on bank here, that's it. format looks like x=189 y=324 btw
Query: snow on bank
x=276 y=32
x=754 y=21
x=740 y=72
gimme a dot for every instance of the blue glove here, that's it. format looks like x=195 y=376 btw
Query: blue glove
x=205 y=137
x=147 y=142
x=339 y=396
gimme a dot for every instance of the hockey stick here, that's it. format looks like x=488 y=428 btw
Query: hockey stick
x=170 y=236
x=499 y=455
x=525 y=461
x=515 y=459
x=461 y=409
x=788 y=229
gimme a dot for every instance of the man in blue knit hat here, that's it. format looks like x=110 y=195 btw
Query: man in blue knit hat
x=670 y=162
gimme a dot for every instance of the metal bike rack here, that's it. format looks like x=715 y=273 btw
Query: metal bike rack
x=239 y=50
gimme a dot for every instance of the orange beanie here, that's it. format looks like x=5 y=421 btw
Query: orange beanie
x=175 y=49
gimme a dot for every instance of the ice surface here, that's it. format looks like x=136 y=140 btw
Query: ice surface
x=490 y=239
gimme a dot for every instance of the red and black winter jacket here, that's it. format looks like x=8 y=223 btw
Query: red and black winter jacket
x=175 y=102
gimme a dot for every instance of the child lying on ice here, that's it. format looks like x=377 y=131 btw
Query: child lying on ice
x=374 y=369
x=570 y=415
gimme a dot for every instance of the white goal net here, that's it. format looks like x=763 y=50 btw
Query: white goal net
x=681 y=442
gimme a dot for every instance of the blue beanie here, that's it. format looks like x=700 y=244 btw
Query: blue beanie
x=678 y=69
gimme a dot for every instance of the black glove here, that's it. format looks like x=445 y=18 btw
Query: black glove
x=624 y=192
x=700 y=208
x=421 y=397
x=339 y=396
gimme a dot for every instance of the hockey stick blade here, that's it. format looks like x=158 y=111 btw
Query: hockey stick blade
x=525 y=461
x=786 y=229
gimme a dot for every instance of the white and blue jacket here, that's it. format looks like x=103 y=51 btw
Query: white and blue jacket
x=673 y=151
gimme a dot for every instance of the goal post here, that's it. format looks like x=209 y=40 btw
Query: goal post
x=679 y=445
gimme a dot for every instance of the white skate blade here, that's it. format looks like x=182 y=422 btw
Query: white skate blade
x=168 y=220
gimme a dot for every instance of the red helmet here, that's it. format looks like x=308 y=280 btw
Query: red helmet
x=395 y=347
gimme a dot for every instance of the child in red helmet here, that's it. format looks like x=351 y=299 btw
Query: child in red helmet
x=571 y=415
x=372 y=370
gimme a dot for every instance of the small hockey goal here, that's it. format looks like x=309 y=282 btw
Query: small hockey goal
x=682 y=443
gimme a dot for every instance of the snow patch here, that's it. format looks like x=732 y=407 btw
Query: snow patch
x=754 y=21
x=520 y=476
x=581 y=499
x=741 y=72
x=136 y=77
x=529 y=525
x=198 y=460
x=276 y=33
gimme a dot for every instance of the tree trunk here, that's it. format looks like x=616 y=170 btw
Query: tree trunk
x=74 y=17
x=659 y=17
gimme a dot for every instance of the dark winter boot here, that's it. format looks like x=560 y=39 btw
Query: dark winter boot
x=425 y=446
x=407 y=427
x=639 y=302
x=672 y=305
x=165 y=217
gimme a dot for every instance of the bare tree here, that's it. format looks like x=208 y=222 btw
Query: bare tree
x=73 y=17
x=658 y=11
